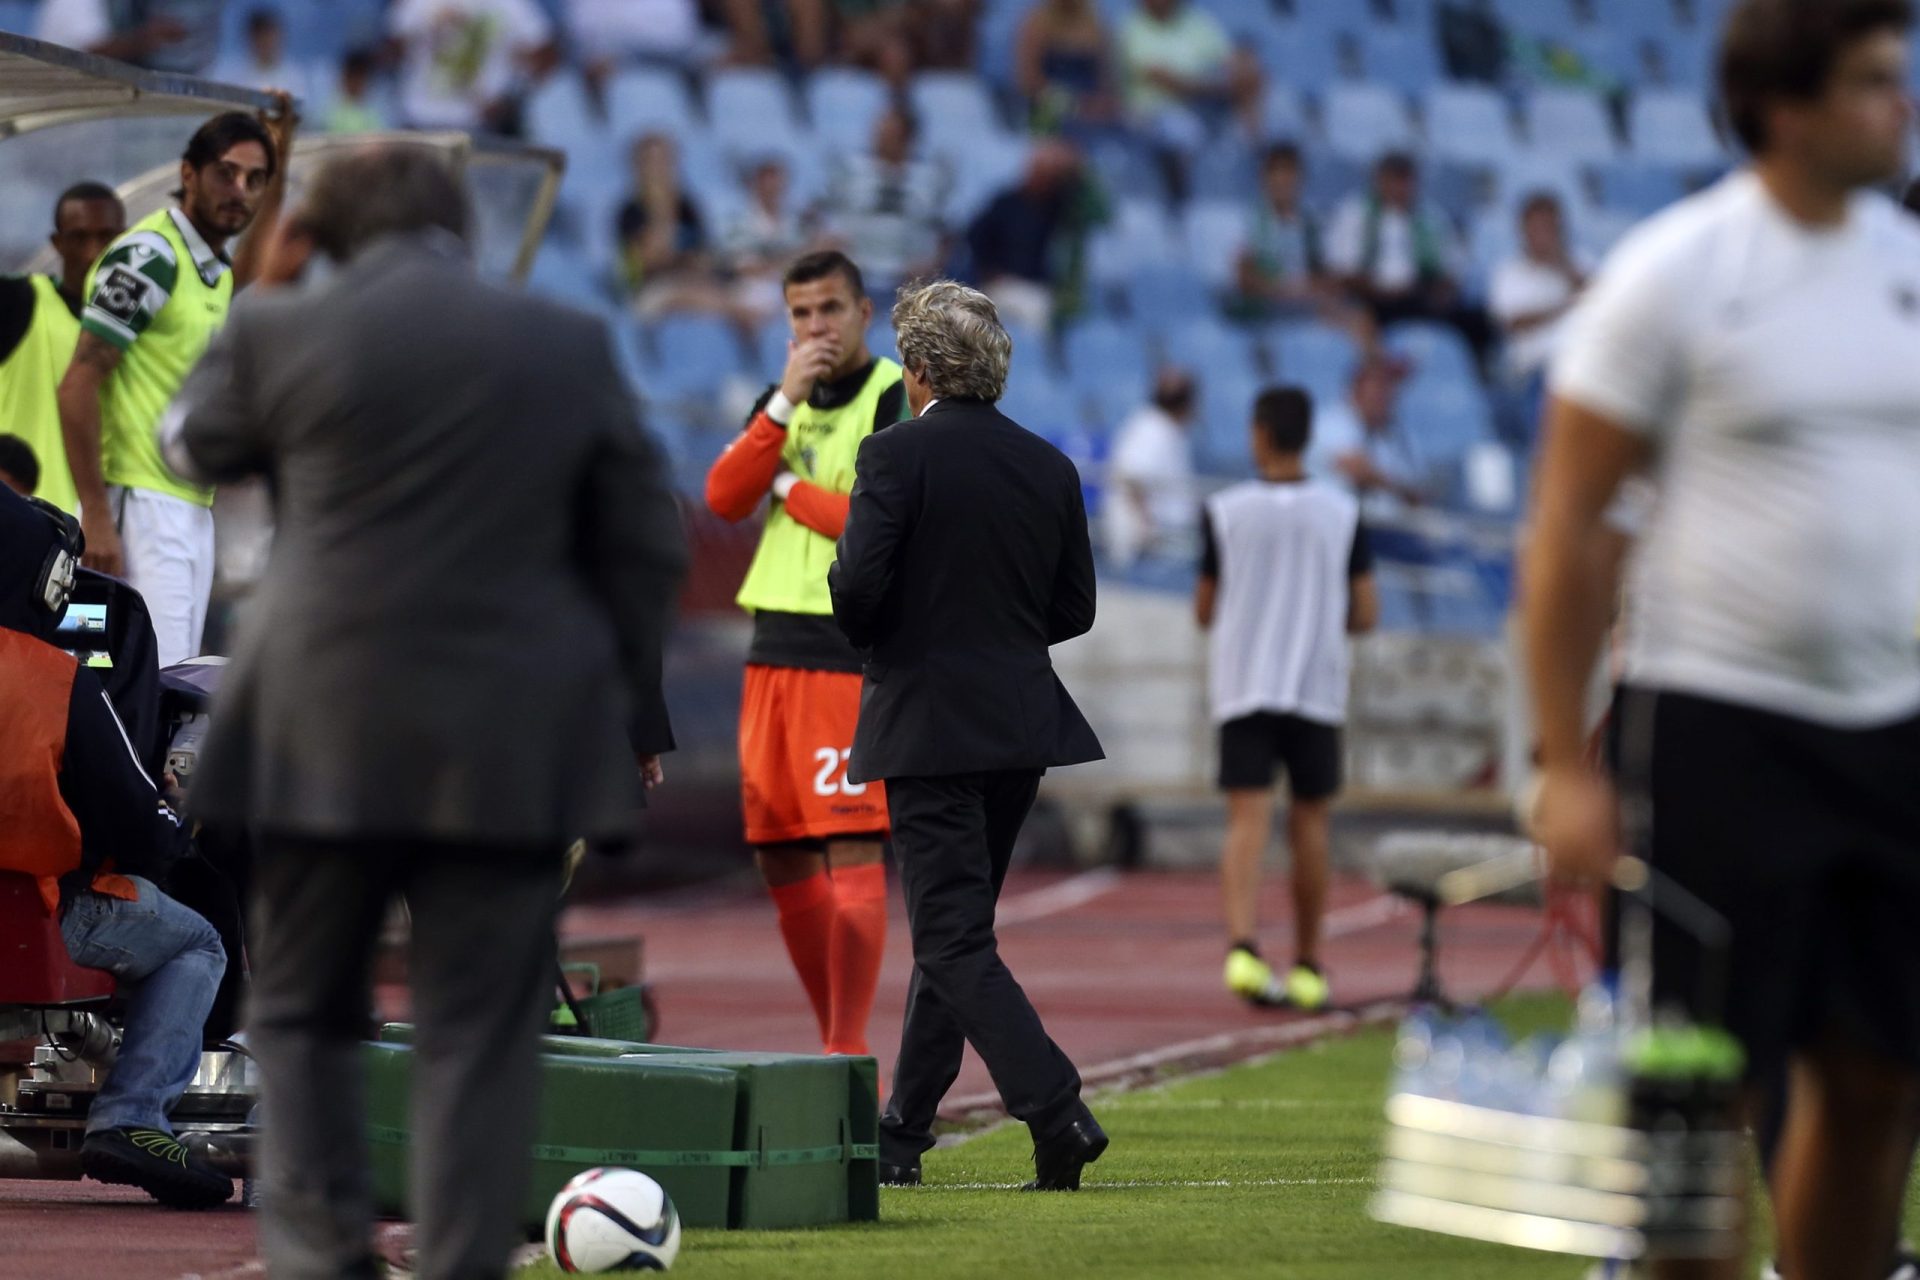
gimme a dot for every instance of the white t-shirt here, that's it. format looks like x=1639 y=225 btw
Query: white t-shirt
x=1523 y=287
x=1150 y=451
x=1773 y=367
x=615 y=29
x=76 y=24
x=1284 y=554
x=460 y=55
x=1396 y=258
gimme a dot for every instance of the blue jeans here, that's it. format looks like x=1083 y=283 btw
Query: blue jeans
x=167 y=961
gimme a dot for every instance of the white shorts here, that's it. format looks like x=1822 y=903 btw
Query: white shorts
x=170 y=561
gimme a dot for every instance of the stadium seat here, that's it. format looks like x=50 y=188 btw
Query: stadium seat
x=1442 y=417
x=1671 y=127
x=1210 y=346
x=1163 y=293
x=1469 y=124
x=648 y=100
x=1643 y=17
x=1435 y=350
x=691 y=356
x=1312 y=355
x=988 y=165
x=1408 y=60
x=1553 y=19
x=880 y=341
x=1225 y=169
x=1332 y=178
x=1283 y=113
x=1037 y=399
x=564 y=274
x=1215 y=230
x=1572 y=125
x=1106 y=359
x=770 y=347
x=1638 y=189
x=560 y=112
x=1125 y=163
x=750 y=111
x=954 y=109
x=1221 y=445
x=18 y=16
x=1365 y=120
x=1303 y=55
x=843 y=104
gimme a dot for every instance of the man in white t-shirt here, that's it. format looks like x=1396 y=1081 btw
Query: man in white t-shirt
x=1361 y=443
x=1753 y=349
x=1285 y=577
x=1150 y=502
x=464 y=58
x=1531 y=295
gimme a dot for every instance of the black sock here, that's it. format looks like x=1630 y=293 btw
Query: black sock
x=1246 y=945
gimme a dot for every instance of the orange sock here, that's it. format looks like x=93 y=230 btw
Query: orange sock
x=859 y=945
x=806 y=922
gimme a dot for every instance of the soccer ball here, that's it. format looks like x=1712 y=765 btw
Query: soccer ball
x=612 y=1220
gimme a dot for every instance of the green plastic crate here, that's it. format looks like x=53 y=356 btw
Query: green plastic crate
x=674 y=1121
x=811 y=1123
x=564 y=1046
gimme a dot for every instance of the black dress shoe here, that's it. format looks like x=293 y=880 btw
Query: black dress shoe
x=899 y=1175
x=1057 y=1162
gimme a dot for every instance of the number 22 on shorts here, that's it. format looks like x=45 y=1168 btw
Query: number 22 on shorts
x=831 y=777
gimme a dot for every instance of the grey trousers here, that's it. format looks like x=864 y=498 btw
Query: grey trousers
x=482 y=969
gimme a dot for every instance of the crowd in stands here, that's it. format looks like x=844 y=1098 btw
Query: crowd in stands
x=1391 y=202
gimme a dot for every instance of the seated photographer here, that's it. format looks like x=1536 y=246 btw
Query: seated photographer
x=80 y=815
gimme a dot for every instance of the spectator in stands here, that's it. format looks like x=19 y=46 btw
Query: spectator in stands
x=1151 y=500
x=662 y=239
x=1282 y=264
x=354 y=108
x=607 y=33
x=1026 y=245
x=164 y=35
x=1399 y=256
x=756 y=246
x=464 y=61
x=1362 y=442
x=1531 y=294
x=888 y=203
x=19 y=468
x=1183 y=74
x=264 y=64
x=1063 y=67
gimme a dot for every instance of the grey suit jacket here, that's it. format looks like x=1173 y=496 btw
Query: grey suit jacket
x=473 y=567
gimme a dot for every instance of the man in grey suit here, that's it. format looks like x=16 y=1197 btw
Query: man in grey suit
x=445 y=678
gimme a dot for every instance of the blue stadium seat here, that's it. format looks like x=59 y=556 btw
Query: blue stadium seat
x=1408 y=60
x=1690 y=57
x=1161 y=294
x=1221 y=444
x=1671 y=127
x=1643 y=17
x=1301 y=54
x=18 y=16
x=1125 y=163
x=1554 y=19
x=880 y=335
x=1107 y=360
x=1314 y=356
x=565 y=274
x=1436 y=350
x=986 y=166
x=1332 y=178
x=1283 y=114
x=691 y=356
x=1469 y=124
x=1365 y=120
x=954 y=109
x=843 y=105
x=1331 y=15
x=1215 y=230
x=1638 y=189
x=560 y=112
x=770 y=348
x=1571 y=124
x=1039 y=399
x=648 y=100
x=1139 y=233
x=1460 y=190
x=1225 y=169
x=1209 y=345
x=750 y=110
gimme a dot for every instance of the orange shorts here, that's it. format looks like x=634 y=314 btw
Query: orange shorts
x=796 y=731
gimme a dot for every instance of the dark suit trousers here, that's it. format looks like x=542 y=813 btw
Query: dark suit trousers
x=953 y=838
x=481 y=965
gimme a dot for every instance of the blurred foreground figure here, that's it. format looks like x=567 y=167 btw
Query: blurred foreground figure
x=459 y=631
x=1751 y=350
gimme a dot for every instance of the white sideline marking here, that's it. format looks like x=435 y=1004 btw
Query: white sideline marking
x=1076 y=891
x=1134 y=1184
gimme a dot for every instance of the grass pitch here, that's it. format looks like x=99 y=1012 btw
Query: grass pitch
x=1263 y=1170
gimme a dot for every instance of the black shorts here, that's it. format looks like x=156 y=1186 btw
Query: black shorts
x=1807 y=839
x=1253 y=747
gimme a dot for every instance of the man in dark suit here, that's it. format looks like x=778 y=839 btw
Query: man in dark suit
x=435 y=691
x=964 y=557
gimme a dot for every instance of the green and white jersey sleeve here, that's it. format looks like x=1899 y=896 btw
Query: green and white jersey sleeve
x=131 y=285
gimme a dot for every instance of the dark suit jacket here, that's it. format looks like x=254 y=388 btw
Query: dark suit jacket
x=964 y=557
x=474 y=561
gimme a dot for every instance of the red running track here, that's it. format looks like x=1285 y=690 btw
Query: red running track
x=1125 y=969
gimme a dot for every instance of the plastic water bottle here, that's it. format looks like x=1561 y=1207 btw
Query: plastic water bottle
x=1585 y=1073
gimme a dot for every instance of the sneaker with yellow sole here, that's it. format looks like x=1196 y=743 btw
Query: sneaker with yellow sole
x=1253 y=979
x=1306 y=988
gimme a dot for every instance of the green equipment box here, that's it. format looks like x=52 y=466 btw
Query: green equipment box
x=741 y=1140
